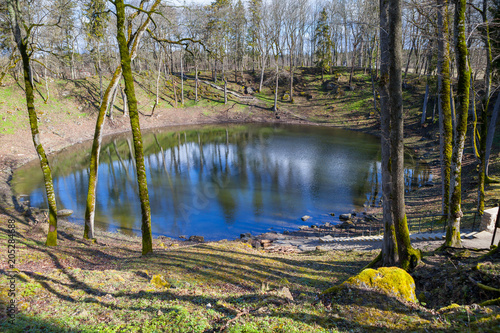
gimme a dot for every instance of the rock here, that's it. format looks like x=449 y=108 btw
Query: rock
x=346 y=225
x=313 y=226
x=392 y=281
x=256 y=244
x=488 y=219
x=305 y=218
x=249 y=90
x=286 y=232
x=182 y=237
x=81 y=314
x=326 y=239
x=332 y=214
x=159 y=282
x=64 y=212
x=199 y=239
x=328 y=224
x=264 y=241
x=246 y=235
x=345 y=217
x=303 y=227
x=285 y=293
x=40 y=228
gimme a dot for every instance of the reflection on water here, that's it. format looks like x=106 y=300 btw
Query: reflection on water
x=222 y=181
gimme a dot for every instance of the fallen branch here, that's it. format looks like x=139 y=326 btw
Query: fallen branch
x=228 y=91
x=483 y=286
x=239 y=314
x=495 y=301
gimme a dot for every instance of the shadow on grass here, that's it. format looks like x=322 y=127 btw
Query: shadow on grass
x=23 y=324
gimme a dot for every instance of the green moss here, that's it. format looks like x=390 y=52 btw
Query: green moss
x=393 y=281
x=159 y=282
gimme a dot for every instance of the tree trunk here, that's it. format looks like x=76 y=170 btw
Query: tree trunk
x=112 y=103
x=491 y=133
x=408 y=256
x=96 y=145
x=374 y=91
x=88 y=232
x=225 y=89
x=147 y=242
x=390 y=255
x=262 y=67
x=196 y=83
x=409 y=58
x=157 y=100
x=46 y=83
x=17 y=26
x=124 y=100
x=275 y=107
x=291 y=77
x=462 y=110
x=484 y=114
x=426 y=98
x=182 y=82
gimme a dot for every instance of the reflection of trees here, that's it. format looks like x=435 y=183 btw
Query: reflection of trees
x=253 y=173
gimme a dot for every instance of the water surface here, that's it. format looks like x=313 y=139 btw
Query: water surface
x=220 y=181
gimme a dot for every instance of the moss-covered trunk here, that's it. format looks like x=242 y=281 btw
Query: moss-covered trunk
x=22 y=40
x=96 y=146
x=88 y=232
x=408 y=257
x=484 y=114
x=462 y=109
x=136 y=130
x=389 y=247
x=445 y=125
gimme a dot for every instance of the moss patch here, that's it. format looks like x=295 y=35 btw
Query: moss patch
x=392 y=281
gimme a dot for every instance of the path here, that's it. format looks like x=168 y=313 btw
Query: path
x=423 y=241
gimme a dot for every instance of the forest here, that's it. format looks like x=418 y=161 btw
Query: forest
x=249 y=165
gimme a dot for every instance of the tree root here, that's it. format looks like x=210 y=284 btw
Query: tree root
x=375 y=261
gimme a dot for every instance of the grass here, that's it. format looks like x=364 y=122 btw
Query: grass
x=228 y=286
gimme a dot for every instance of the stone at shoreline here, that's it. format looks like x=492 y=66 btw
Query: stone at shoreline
x=346 y=225
x=345 y=217
x=246 y=235
x=182 y=237
x=305 y=218
x=332 y=214
x=303 y=227
x=256 y=244
x=326 y=239
x=64 y=212
x=199 y=239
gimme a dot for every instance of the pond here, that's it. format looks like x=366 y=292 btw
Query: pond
x=220 y=181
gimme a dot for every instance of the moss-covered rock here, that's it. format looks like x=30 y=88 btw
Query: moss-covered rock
x=159 y=282
x=393 y=281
